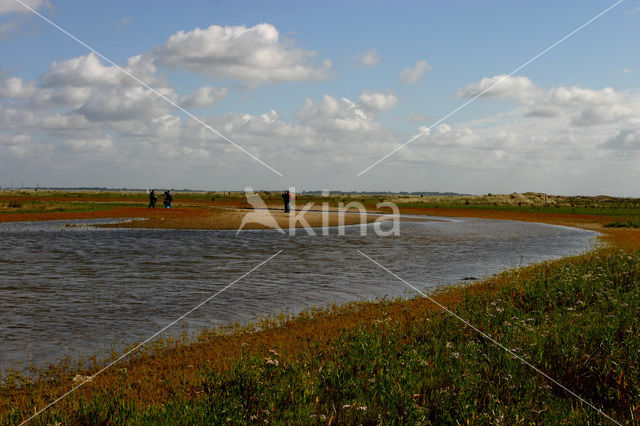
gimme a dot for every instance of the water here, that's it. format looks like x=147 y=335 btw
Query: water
x=82 y=291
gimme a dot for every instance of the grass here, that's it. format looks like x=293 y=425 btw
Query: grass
x=37 y=201
x=558 y=209
x=632 y=223
x=577 y=319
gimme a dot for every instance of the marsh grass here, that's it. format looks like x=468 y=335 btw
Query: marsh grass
x=631 y=223
x=530 y=202
x=577 y=319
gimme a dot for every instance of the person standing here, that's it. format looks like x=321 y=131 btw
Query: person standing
x=167 y=199
x=152 y=199
x=286 y=197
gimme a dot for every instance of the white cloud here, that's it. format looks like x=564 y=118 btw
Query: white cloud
x=605 y=115
x=119 y=104
x=377 y=101
x=442 y=128
x=336 y=115
x=92 y=146
x=368 y=59
x=520 y=89
x=15 y=88
x=544 y=111
x=88 y=71
x=204 y=96
x=10 y=6
x=255 y=55
x=627 y=139
x=414 y=74
x=578 y=96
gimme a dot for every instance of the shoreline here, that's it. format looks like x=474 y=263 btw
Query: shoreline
x=287 y=335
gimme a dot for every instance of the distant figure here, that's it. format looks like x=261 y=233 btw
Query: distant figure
x=152 y=199
x=286 y=197
x=167 y=199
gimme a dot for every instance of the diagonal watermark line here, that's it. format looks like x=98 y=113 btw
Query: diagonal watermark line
x=149 y=338
x=494 y=341
x=208 y=127
x=490 y=87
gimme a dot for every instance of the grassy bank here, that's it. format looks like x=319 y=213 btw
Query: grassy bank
x=577 y=319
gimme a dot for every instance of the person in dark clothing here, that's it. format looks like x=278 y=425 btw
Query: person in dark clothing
x=167 y=199
x=286 y=197
x=152 y=199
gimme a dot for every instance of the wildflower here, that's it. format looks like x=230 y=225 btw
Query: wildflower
x=270 y=361
x=81 y=378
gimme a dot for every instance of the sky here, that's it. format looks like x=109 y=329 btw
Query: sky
x=222 y=95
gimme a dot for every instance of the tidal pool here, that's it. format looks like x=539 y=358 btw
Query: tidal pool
x=84 y=291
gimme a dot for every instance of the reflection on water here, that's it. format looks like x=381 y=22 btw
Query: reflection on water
x=82 y=291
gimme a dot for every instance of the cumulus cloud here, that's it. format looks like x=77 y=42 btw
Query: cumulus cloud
x=11 y=6
x=8 y=29
x=414 y=74
x=377 y=101
x=627 y=139
x=335 y=115
x=544 y=111
x=88 y=71
x=578 y=96
x=604 y=115
x=15 y=88
x=368 y=59
x=520 y=89
x=204 y=96
x=254 y=55
x=124 y=104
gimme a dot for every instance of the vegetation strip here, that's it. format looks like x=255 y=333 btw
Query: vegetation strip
x=491 y=339
x=577 y=318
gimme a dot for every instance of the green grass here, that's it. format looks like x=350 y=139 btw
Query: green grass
x=632 y=223
x=586 y=210
x=580 y=322
x=13 y=207
x=577 y=319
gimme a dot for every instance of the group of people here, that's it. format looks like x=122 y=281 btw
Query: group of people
x=153 y=199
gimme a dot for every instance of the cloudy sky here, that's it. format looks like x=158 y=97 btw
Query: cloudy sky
x=319 y=91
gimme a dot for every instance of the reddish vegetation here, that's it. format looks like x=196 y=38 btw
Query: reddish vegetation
x=117 y=212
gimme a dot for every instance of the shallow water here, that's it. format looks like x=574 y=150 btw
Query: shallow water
x=83 y=291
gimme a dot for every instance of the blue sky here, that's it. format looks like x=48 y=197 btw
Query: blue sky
x=567 y=123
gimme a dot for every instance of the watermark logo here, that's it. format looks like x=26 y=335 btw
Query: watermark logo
x=260 y=213
x=383 y=222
